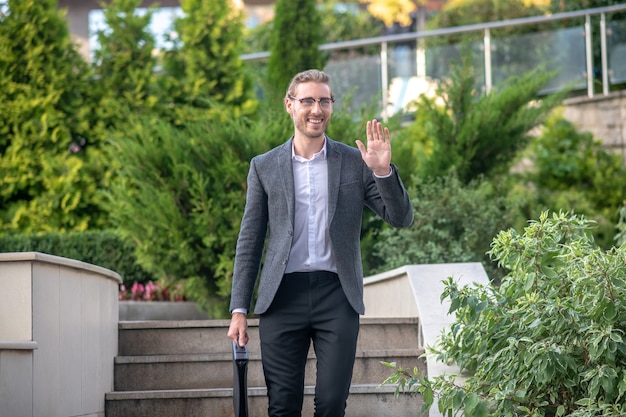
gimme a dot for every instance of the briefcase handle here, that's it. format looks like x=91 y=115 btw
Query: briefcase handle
x=240 y=380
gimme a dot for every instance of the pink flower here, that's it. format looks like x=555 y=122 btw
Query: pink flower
x=137 y=291
x=121 y=295
x=150 y=291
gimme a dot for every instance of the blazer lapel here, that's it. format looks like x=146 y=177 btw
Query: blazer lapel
x=285 y=171
x=333 y=156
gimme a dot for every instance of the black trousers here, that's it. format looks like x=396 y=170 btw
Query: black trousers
x=309 y=306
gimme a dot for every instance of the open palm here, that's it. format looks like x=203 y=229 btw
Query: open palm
x=377 y=154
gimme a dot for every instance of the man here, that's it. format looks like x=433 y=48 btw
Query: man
x=307 y=196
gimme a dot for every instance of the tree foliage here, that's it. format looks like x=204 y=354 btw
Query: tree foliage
x=452 y=224
x=570 y=170
x=339 y=23
x=548 y=341
x=124 y=63
x=474 y=133
x=297 y=33
x=179 y=196
x=204 y=68
x=557 y=6
x=49 y=155
x=392 y=11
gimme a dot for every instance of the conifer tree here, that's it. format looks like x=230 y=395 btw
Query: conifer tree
x=204 y=67
x=124 y=62
x=297 y=33
x=476 y=134
x=48 y=179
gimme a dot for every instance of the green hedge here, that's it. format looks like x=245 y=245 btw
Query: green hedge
x=101 y=248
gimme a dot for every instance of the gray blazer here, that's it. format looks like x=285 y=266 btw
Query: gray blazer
x=269 y=210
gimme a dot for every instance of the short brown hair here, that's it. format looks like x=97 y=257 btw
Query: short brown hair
x=311 y=75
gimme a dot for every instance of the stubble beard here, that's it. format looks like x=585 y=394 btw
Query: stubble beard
x=304 y=127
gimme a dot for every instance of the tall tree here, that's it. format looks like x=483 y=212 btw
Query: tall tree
x=296 y=35
x=204 y=67
x=340 y=23
x=46 y=147
x=124 y=62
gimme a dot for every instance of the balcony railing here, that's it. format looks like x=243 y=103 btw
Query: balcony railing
x=587 y=48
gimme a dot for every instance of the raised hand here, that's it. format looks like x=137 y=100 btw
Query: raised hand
x=377 y=155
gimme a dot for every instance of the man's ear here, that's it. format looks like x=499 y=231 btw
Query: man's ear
x=289 y=106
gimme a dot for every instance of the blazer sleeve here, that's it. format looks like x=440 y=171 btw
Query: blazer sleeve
x=388 y=198
x=250 y=242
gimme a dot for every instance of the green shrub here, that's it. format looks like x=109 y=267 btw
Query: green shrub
x=570 y=170
x=549 y=341
x=50 y=156
x=103 y=248
x=203 y=68
x=463 y=130
x=453 y=223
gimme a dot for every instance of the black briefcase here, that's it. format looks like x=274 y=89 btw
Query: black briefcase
x=240 y=380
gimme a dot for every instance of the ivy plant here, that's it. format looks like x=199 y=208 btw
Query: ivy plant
x=548 y=341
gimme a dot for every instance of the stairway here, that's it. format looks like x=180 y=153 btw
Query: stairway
x=184 y=369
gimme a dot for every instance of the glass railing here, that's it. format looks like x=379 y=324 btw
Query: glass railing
x=586 y=49
x=616 y=36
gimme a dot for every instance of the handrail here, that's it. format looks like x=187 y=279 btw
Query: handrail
x=385 y=41
x=403 y=37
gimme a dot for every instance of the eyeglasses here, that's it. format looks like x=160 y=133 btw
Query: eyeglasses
x=309 y=102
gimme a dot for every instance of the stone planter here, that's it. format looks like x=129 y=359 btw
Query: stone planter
x=58 y=335
x=160 y=310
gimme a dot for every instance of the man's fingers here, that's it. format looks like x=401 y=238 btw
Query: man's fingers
x=376 y=131
x=243 y=340
x=238 y=330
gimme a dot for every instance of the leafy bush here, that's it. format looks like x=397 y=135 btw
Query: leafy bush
x=179 y=195
x=570 y=170
x=549 y=341
x=475 y=134
x=453 y=223
x=49 y=146
x=103 y=248
x=203 y=67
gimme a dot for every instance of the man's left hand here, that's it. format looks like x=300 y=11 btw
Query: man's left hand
x=377 y=155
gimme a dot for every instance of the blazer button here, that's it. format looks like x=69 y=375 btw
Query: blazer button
x=290 y=233
x=285 y=262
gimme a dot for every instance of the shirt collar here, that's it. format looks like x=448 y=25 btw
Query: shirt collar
x=321 y=154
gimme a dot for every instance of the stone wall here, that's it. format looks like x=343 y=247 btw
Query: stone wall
x=604 y=116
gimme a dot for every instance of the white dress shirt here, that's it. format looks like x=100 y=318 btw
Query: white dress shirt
x=311 y=249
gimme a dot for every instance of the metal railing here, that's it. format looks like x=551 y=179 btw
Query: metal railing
x=406 y=63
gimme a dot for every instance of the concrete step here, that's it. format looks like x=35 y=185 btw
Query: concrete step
x=209 y=336
x=365 y=400
x=170 y=368
x=198 y=371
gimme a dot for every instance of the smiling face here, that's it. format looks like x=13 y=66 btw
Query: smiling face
x=309 y=122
